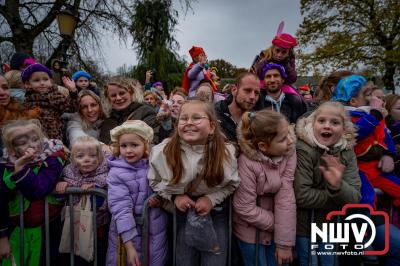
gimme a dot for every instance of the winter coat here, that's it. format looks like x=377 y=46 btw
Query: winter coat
x=192 y=77
x=75 y=128
x=394 y=127
x=293 y=106
x=226 y=122
x=52 y=104
x=35 y=182
x=135 y=111
x=16 y=111
x=160 y=174
x=128 y=188
x=265 y=198
x=312 y=191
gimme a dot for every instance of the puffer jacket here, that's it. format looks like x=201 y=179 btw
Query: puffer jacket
x=312 y=191
x=128 y=188
x=265 y=198
x=135 y=111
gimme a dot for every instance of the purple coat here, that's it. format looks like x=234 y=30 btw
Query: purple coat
x=128 y=188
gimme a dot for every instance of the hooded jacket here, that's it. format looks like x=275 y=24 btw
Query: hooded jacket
x=312 y=191
x=128 y=188
x=265 y=198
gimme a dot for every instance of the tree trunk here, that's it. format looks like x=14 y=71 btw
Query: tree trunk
x=23 y=42
x=390 y=70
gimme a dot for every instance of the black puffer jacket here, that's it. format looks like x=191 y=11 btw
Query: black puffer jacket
x=135 y=111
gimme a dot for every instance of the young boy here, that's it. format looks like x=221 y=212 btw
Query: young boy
x=375 y=149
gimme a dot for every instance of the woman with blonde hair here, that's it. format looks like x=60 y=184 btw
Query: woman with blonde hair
x=125 y=97
x=89 y=118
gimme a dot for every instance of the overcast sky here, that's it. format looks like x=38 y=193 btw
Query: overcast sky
x=233 y=30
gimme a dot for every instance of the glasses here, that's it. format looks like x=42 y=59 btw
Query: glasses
x=194 y=119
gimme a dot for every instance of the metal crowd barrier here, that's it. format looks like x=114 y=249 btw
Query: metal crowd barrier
x=379 y=192
x=95 y=192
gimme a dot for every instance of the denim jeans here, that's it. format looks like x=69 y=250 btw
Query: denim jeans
x=393 y=256
x=303 y=245
x=266 y=254
x=186 y=255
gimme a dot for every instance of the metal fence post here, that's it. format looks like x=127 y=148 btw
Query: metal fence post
x=21 y=226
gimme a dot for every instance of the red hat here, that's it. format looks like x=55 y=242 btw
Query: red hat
x=195 y=51
x=305 y=88
x=284 y=40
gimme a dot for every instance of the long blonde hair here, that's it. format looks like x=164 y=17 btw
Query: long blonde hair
x=214 y=156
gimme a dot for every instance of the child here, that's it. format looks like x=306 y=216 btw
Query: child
x=326 y=176
x=88 y=169
x=281 y=52
x=375 y=148
x=81 y=81
x=196 y=72
x=152 y=99
x=41 y=93
x=127 y=191
x=393 y=123
x=265 y=201
x=32 y=166
x=196 y=169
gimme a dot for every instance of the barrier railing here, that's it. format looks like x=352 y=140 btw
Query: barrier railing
x=230 y=224
x=95 y=192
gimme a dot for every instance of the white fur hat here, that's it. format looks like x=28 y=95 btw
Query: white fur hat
x=137 y=127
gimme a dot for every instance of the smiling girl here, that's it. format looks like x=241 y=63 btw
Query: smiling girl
x=196 y=169
x=128 y=189
x=326 y=176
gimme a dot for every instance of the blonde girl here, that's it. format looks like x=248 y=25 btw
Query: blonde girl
x=128 y=189
x=31 y=165
x=264 y=204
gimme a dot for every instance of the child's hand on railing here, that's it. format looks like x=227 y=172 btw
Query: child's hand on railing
x=87 y=186
x=203 y=206
x=131 y=254
x=155 y=203
x=283 y=255
x=5 y=250
x=184 y=202
x=61 y=186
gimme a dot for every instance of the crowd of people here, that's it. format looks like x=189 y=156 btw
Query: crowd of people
x=282 y=160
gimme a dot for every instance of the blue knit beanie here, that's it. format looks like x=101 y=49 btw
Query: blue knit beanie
x=79 y=74
x=27 y=73
x=348 y=88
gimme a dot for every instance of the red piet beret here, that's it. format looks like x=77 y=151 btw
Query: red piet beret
x=195 y=51
x=284 y=40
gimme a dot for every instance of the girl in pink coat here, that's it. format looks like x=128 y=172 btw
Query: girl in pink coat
x=264 y=204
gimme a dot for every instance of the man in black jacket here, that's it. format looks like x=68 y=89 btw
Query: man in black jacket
x=245 y=95
x=273 y=97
